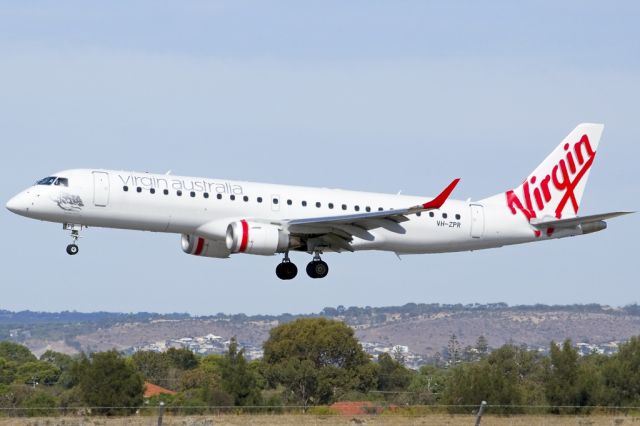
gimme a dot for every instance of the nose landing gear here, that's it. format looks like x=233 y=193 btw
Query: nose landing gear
x=287 y=270
x=72 y=249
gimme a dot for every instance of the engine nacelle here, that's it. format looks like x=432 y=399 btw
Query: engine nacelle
x=256 y=238
x=198 y=246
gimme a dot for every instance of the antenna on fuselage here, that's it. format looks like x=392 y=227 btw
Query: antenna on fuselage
x=168 y=172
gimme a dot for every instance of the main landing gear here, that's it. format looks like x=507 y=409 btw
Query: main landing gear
x=287 y=270
x=72 y=249
x=317 y=268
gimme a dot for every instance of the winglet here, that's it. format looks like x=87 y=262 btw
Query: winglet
x=437 y=202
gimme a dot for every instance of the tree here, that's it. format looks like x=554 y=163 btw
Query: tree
x=316 y=360
x=182 y=358
x=203 y=385
x=426 y=386
x=561 y=384
x=62 y=362
x=237 y=379
x=7 y=371
x=621 y=374
x=107 y=381
x=509 y=376
x=321 y=341
x=40 y=404
x=15 y=352
x=482 y=346
x=165 y=369
x=453 y=350
x=37 y=372
x=153 y=366
x=392 y=375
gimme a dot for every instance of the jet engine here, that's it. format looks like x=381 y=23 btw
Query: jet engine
x=198 y=246
x=256 y=238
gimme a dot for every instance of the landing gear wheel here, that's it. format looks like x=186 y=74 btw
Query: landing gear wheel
x=72 y=249
x=286 y=271
x=317 y=269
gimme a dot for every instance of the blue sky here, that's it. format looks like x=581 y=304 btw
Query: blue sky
x=375 y=96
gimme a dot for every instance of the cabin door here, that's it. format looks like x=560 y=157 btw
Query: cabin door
x=100 y=189
x=477 y=220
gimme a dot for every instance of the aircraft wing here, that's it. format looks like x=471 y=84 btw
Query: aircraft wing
x=337 y=232
x=574 y=221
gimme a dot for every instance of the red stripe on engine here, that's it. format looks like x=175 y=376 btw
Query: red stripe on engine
x=199 y=247
x=245 y=236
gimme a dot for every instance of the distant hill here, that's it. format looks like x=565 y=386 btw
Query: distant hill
x=424 y=328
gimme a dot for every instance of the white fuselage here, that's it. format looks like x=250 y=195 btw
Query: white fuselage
x=182 y=205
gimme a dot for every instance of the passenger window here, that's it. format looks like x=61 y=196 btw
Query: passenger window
x=458 y=216
x=245 y=198
x=380 y=209
x=179 y=193
x=139 y=189
x=165 y=192
x=152 y=190
x=344 y=207
x=318 y=204
x=219 y=196
x=431 y=214
x=368 y=208
x=330 y=205
x=125 y=188
x=275 y=201
x=205 y=195
x=232 y=197
x=62 y=182
x=193 y=194
x=304 y=204
x=259 y=199
x=357 y=208
x=419 y=214
x=444 y=215
x=289 y=202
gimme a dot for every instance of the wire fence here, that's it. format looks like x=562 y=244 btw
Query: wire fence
x=343 y=408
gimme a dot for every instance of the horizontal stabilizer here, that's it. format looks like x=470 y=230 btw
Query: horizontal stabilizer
x=574 y=221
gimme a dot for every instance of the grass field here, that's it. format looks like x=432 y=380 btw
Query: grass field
x=313 y=420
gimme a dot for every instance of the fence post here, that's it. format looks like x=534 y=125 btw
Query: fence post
x=480 y=412
x=160 y=413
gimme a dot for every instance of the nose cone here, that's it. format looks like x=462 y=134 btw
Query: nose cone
x=18 y=204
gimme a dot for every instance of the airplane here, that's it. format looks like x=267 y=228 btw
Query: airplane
x=218 y=217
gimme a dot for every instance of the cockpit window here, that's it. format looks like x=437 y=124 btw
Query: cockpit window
x=46 y=181
x=62 y=181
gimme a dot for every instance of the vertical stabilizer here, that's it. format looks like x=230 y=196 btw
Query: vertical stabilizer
x=555 y=187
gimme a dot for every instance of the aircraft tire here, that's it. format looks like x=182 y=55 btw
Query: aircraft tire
x=317 y=269
x=72 y=249
x=286 y=271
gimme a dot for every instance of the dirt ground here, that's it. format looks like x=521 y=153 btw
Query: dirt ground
x=313 y=420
